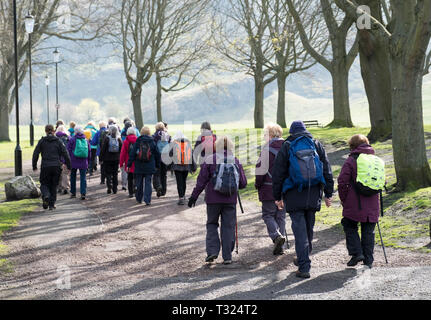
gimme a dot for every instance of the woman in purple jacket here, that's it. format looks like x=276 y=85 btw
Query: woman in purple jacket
x=80 y=164
x=274 y=218
x=368 y=215
x=218 y=204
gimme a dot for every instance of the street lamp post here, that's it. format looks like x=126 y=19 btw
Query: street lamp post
x=56 y=60
x=29 y=26
x=18 y=151
x=47 y=96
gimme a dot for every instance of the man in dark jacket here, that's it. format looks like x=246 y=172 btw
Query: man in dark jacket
x=53 y=151
x=144 y=170
x=301 y=204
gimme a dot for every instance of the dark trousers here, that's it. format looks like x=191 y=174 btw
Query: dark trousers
x=102 y=172
x=143 y=187
x=160 y=179
x=181 y=177
x=302 y=227
x=49 y=179
x=83 y=181
x=360 y=246
x=131 y=183
x=111 y=171
x=227 y=213
x=274 y=219
x=93 y=161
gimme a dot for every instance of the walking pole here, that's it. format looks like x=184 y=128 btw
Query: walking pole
x=378 y=226
x=236 y=225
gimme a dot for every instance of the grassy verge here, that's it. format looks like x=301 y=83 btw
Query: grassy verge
x=10 y=213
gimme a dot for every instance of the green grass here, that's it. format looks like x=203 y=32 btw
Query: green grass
x=10 y=213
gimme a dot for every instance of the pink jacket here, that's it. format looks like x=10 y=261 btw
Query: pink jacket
x=125 y=149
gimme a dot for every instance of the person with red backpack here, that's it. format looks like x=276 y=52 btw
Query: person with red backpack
x=183 y=163
x=146 y=158
x=124 y=159
x=274 y=218
x=205 y=143
x=300 y=176
x=110 y=155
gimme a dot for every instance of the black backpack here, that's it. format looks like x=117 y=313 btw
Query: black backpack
x=144 y=152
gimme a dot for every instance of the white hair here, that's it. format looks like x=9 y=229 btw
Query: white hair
x=61 y=128
x=130 y=131
x=79 y=130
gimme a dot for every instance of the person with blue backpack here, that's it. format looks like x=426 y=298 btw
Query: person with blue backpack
x=300 y=176
x=80 y=155
x=146 y=157
x=274 y=218
x=221 y=179
x=162 y=140
x=110 y=155
x=90 y=131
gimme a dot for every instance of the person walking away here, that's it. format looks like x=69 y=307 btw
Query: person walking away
x=80 y=155
x=183 y=163
x=221 y=179
x=58 y=123
x=301 y=170
x=358 y=208
x=124 y=159
x=146 y=158
x=64 y=185
x=52 y=151
x=110 y=155
x=162 y=140
x=90 y=131
x=205 y=141
x=274 y=218
x=97 y=142
x=71 y=129
x=124 y=175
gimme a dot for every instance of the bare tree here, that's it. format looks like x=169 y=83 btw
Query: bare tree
x=79 y=20
x=342 y=59
x=240 y=35
x=289 y=53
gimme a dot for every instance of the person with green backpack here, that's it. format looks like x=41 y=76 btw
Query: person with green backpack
x=80 y=154
x=361 y=179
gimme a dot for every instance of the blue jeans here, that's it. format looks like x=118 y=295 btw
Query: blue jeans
x=141 y=192
x=302 y=227
x=83 y=181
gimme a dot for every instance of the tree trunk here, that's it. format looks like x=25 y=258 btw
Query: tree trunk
x=281 y=105
x=159 y=97
x=137 y=110
x=408 y=141
x=259 y=88
x=4 y=116
x=340 y=88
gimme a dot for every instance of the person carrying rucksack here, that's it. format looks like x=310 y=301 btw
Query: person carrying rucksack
x=124 y=159
x=301 y=172
x=90 y=131
x=71 y=129
x=146 y=158
x=274 y=218
x=361 y=179
x=162 y=140
x=221 y=179
x=97 y=141
x=183 y=163
x=53 y=152
x=64 y=184
x=110 y=155
x=205 y=142
x=80 y=155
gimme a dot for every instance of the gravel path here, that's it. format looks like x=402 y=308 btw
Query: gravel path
x=109 y=247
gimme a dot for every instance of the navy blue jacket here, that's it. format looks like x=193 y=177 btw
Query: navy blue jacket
x=308 y=198
x=145 y=167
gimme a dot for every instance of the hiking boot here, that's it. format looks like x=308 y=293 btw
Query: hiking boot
x=45 y=203
x=102 y=182
x=159 y=193
x=355 y=260
x=65 y=192
x=123 y=189
x=131 y=196
x=211 y=258
x=72 y=196
x=303 y=275
x=181 y=202
x=83 y=197
x=109 y=191
x=52 y=208
x=278 y=245
x=226 y=262
x=147 y=204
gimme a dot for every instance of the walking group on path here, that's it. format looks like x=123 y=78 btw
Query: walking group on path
x=293 y=176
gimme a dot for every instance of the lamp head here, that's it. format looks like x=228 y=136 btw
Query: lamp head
x=29 y=23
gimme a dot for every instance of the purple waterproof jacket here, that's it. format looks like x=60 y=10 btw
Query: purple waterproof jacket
x=204 y=182
x=349 y=198
x=263 y=182
x=78 y=163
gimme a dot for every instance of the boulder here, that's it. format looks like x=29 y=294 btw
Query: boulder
x=22 y=187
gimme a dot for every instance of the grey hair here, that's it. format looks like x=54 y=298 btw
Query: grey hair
x=61 y=128
x=130 y=131
x=113 y=131
x=79 y=130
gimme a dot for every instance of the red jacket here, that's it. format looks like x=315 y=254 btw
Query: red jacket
x=349 y=199
x=125 y=150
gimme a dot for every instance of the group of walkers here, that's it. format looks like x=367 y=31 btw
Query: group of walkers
x=293 y=176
